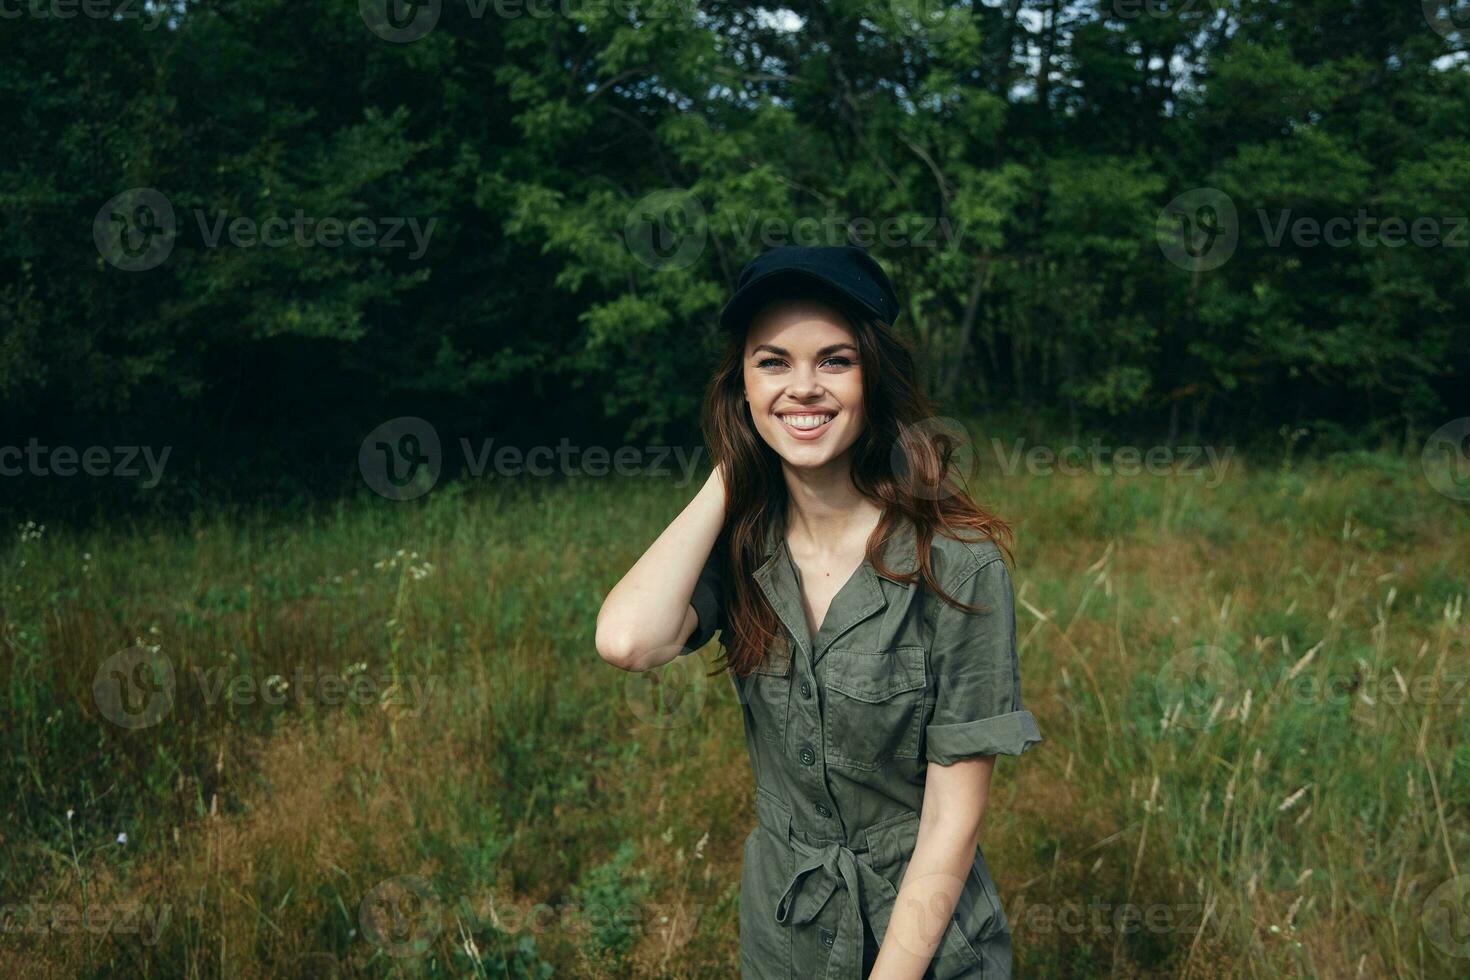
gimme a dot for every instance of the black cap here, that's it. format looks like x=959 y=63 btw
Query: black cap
x=847 y=271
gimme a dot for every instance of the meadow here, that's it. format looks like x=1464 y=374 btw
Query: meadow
x=374 y=737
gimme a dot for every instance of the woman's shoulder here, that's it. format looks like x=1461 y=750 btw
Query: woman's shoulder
x=954 y=559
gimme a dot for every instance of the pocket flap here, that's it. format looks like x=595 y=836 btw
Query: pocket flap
x=875 y=676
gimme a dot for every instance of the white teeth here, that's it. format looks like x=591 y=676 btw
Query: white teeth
x=806 y=421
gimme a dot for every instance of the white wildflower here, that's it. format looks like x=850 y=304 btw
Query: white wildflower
x=1293 y=799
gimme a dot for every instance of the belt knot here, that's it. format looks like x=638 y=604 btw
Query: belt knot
x=821 y=869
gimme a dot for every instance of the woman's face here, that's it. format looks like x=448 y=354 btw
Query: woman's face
x=803 y=381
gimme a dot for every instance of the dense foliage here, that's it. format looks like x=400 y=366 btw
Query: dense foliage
x=1012 y=163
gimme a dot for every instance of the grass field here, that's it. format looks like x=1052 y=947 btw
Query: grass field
x=376 y=738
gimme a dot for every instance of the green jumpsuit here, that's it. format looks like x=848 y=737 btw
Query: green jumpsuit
x=839 y=738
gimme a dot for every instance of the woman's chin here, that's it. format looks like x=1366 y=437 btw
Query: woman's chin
x=807 y=458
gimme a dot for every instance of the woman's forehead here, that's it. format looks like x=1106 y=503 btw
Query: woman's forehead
x=798 y=321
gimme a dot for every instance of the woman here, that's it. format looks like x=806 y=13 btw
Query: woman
x=868 y=623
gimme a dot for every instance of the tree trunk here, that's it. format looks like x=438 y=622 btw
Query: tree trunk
x=967 y=324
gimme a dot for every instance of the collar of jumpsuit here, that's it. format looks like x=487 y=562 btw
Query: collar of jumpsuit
x=841 y=726
x=858 y=598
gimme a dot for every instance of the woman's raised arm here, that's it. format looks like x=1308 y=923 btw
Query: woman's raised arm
x=647 y=616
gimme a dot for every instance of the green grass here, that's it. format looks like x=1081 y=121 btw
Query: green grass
x=526 y=809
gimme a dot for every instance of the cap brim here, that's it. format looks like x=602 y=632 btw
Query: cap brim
x=748 y=299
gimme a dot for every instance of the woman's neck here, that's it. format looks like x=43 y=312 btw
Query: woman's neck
x=825 y=511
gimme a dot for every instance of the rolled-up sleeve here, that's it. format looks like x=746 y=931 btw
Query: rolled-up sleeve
x=977 y=672
x=708 y=602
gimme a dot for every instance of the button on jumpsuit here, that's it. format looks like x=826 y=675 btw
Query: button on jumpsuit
x=840 y=728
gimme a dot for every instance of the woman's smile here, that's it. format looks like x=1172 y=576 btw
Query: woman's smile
x=806 y=425
x=803 y=382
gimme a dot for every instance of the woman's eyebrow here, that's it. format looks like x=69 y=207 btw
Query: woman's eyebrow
x=782 y=352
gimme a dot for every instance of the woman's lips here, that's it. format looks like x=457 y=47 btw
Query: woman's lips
x=805 y=431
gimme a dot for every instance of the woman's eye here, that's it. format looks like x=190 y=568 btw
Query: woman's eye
x=835 y=360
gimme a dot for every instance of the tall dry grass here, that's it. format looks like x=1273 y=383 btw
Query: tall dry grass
x=1252 y=695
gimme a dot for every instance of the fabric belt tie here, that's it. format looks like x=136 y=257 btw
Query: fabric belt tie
x=808 y=893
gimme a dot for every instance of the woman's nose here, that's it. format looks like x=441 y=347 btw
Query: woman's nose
x=805 y=381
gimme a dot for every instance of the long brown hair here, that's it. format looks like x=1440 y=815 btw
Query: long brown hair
x=902 y=462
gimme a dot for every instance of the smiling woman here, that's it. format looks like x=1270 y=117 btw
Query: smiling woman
x=807 y=390
x=867 y=622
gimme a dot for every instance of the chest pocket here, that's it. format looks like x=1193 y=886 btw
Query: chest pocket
x=873 y=711
x=768 y=692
